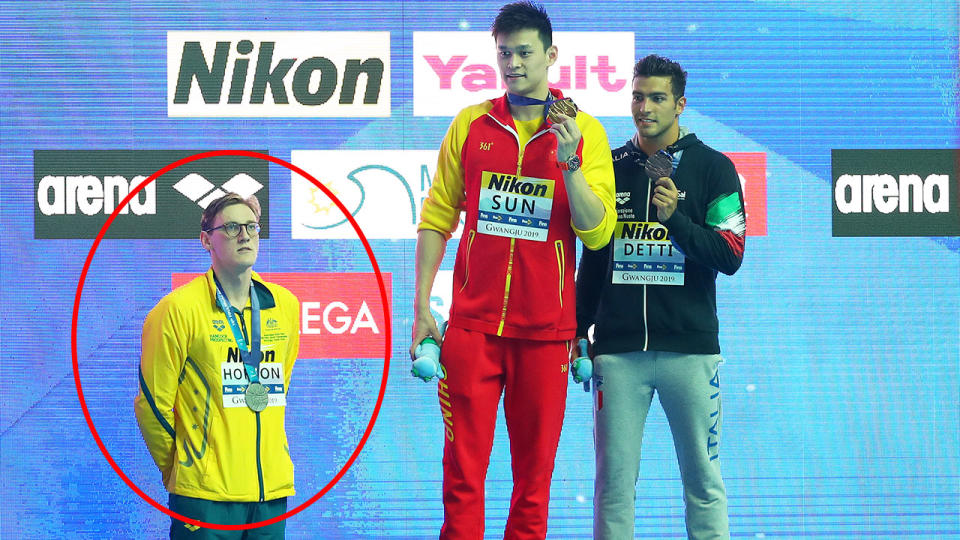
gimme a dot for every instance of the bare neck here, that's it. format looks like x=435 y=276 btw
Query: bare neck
x=651 y=146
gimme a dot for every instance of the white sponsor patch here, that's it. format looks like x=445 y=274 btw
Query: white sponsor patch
x=644 y=255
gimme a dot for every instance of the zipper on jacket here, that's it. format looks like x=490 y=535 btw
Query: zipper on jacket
x=506 y=288
x=560 y=260
x=259 y=465
x=646 y=330
x=513 y=241
x=466 y=273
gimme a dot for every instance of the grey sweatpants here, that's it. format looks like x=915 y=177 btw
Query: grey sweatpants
x=689 y=389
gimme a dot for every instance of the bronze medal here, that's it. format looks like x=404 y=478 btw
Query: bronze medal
x=659 y=165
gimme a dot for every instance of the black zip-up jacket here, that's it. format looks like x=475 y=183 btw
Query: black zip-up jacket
x=708 y=227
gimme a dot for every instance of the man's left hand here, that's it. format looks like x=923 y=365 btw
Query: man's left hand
x=665 y=198
x=568 y=137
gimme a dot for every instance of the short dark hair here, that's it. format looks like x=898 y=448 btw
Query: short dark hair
x=658 y=66
x=230 y=199
x=524 y=15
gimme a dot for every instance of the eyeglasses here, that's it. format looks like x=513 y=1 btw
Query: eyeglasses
x=232 y=229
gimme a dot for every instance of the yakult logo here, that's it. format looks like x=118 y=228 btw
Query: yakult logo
x=895 y=193
x=280 y=74
x=454 y=69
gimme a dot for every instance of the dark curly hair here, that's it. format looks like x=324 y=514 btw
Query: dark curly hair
x=658 y=66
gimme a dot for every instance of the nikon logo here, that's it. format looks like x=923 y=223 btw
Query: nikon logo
x=886 y=194
x=278 y=74
x=895 y=193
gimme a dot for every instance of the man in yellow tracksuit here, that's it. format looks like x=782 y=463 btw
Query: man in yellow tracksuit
x=217 y=354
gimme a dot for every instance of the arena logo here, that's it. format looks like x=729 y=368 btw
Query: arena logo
x=895 y=193
x=201 y=191
x=76 y=190
x=278 y=74
x=383 y=190
x=856 y=193
x=341 y=314
x=454 y=69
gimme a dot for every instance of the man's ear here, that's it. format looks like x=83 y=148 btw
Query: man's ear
x=205 y=241
x=551 y=55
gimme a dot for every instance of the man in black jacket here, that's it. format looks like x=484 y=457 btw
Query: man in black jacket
x=651 y=296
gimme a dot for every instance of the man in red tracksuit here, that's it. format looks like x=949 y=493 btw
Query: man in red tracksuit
x=529 y=187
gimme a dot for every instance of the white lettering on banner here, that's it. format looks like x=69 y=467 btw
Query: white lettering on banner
x=336 y=324
x=383 y=190
x=860 y=194
x=278 y=74
x=58 y=195
x=455 y=69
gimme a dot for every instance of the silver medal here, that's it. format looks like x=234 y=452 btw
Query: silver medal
x=256 y=397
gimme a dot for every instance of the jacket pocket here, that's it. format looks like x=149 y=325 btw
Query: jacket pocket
x=466 y=272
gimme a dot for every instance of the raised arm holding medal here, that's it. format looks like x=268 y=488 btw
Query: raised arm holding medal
x=530 y=187
x=217 y=354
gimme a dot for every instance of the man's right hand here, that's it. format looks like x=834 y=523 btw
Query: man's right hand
x=424 y=325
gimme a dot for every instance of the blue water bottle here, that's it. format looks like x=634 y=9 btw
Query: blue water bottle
x=582 y=367
x=426 y=364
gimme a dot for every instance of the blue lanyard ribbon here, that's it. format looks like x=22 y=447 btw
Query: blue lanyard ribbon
x=676 y=161
x=251 y=355
x=523 y=101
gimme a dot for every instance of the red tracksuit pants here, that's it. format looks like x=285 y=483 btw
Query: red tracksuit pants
x=532 y=376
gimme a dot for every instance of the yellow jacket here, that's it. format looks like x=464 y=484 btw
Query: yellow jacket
x=190 y=408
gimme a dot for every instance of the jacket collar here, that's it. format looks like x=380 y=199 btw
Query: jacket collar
x=259 y=288
x=686 y=140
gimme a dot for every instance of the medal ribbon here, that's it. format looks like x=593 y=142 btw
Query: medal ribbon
x=251 y=355
x=521 y=101
x=676 y=161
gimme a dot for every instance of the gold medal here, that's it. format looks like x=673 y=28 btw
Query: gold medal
x=564 y=106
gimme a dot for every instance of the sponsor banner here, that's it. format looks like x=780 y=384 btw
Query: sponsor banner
x=752 y=169
x=77 y=190
x=382 y=189
x=278 y=74
x=515 y=207
x=454 y=69
x=644 y=255
x=895 y=192
x=341 y=314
